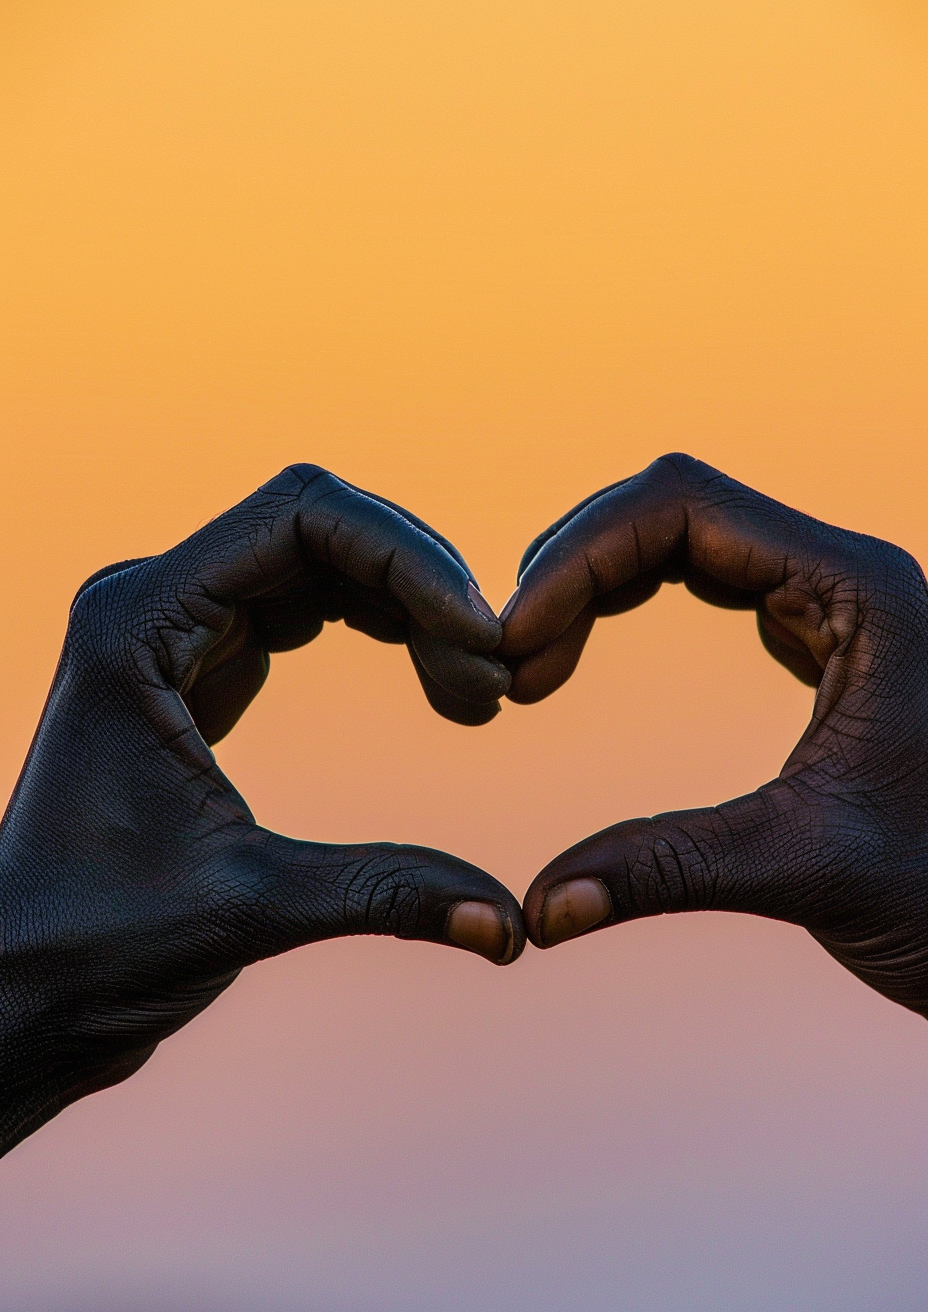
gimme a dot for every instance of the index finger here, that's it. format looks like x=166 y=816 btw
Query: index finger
x=307 y=515
x=681 y=519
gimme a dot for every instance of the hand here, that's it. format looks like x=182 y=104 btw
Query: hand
x=134 y=883
x=838 y=842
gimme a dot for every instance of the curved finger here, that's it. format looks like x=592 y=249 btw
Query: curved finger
x=220 y=697
x=308 y=545
x=684 y=519
x=308 y=515
x=421 y=524
x=675 y=516
x=465 y=674
x=460 y=710
x=542 y=672
x=593 y=551
x=533 y=548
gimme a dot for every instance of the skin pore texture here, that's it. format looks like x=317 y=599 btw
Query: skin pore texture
x=135 y=884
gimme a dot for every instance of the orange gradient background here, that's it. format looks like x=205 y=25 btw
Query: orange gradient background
x=483 y=257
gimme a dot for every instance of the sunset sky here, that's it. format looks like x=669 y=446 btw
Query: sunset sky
x=483 y=257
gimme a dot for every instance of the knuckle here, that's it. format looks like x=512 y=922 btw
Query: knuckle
x=682 y=867
x=880 y=575
x=100 y=609
x=117 y=627
x=679 y=460
x=668 y=868
x=383 y=892
x=687 y=469
x=693 y=480
x=901 y=566
x=96 y=577
x=107 y=572
x=269 y=894
x=293 y=481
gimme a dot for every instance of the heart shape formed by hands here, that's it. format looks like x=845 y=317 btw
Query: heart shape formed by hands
x=136 y=883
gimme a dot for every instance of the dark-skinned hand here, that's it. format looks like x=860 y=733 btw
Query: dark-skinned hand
x=838 y=842
x=134 y=882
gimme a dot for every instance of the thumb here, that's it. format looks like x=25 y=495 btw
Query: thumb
x=759 y=854
x=282 y=893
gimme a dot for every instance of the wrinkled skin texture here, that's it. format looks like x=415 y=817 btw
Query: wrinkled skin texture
x=134 y=883
x=838 y=842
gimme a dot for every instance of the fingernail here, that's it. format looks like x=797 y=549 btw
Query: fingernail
x=481 y=928
x=571 y=908
x=480 y=603
x=504 y=613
